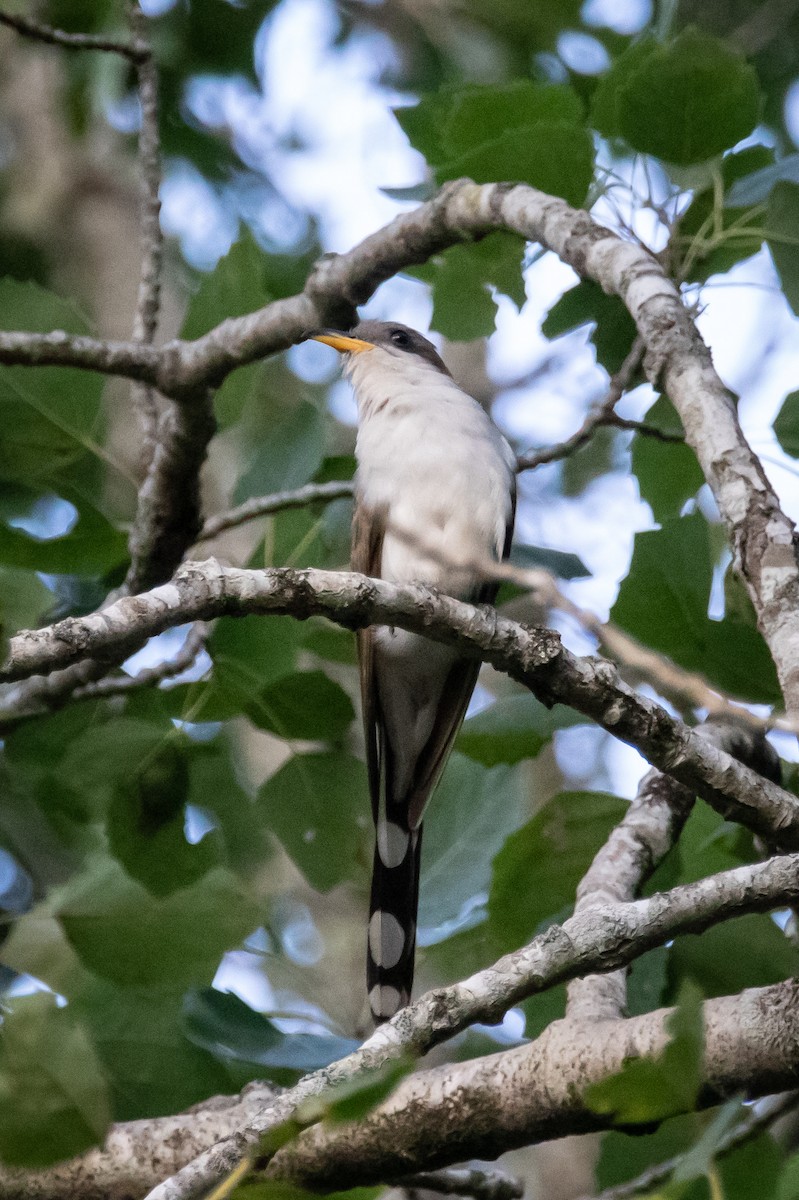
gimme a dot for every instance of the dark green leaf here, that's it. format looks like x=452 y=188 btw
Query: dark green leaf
x=668 y=473
x=256 y=649
x=316 y=805
x=461 y=280
x=786 y=426
x=649 y=1089
x=92 y=547
x=307 y=705
x=555 y=156
x=224 y=1025
x=53 y=1096
x=606 y=100
x=788 y=1187
x=329 y=641
x=704 y=226
x=537 y=871
x=614 y=329
x=476 y=113
x=512 y=729
x=684 y=101
x=49 y=416
x=125 y=935
x=236 y=286
x=748 y=952
x=472 y=812
x=151 y=1067
x=623 y=1157
x=782 y=223
x=697 y=1161
x=289 y=451
x=754 y=188
x=146 y=825
x=664 y=601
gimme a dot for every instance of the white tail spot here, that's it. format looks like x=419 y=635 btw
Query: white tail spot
x=392 y=843
x=386 y=939
x=385 y=1001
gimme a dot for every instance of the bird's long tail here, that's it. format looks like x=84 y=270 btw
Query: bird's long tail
x=392 y=919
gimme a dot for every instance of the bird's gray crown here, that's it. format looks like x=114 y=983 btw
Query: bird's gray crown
x=392 y=335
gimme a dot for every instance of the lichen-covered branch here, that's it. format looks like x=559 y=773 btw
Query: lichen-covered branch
x=265 y=506
x=534 y=656
x=535 y=1092
x=603 y=939
x=638 y=844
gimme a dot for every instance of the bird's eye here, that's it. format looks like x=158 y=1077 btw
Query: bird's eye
x=400 y=338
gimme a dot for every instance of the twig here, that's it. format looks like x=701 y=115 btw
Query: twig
x=752 y=1126
x=134 y=50
x=600 y=415
x=264 y=506
x=485 y=1184
x=117 y=685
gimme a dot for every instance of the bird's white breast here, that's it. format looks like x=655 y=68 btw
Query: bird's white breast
x=432 y=459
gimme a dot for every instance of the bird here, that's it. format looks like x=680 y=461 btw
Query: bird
x=435 y=501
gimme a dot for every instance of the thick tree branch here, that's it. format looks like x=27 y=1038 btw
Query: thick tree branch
x=489 y=1105
x=533 y=656
x=603 y=939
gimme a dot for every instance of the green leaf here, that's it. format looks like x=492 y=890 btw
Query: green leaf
x=623 y=1157
x=226 y=1027
x=49 y=416
x=649 y=1089
x=476 y=113
x=124 y=934
x=786 y=426
x=537 y=871
x=664 y=601
x=24 y=600
x=788 y=1187
x=235 y=287
x=307 y=705
x=782 y=223
x=614 y=329
x=329 y=641
x=92 y=547
x=53 y=1096
x=668 y=473
x=684 y=101
x=756 y=187
x=146 y=825
x=697 y=1161
x=316 y=805
x=471 y=813
x=461 y=279
x=289 y=452
x=555 y=156
x=512 y=729
x=748 y=952
x=151 y=1067
x=255 y=648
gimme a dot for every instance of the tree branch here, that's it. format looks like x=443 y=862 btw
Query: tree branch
x=488 y=1105
x=533 y=656
x=676 y=359
x=40 y=32
x=265 y=506
x=603 y=939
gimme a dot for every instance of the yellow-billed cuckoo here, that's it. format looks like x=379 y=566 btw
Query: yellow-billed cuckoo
x=434 y=498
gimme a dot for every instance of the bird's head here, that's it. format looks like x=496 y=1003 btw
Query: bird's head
x=383 y=345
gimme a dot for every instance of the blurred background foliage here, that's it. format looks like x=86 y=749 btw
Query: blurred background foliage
x=183 y=869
